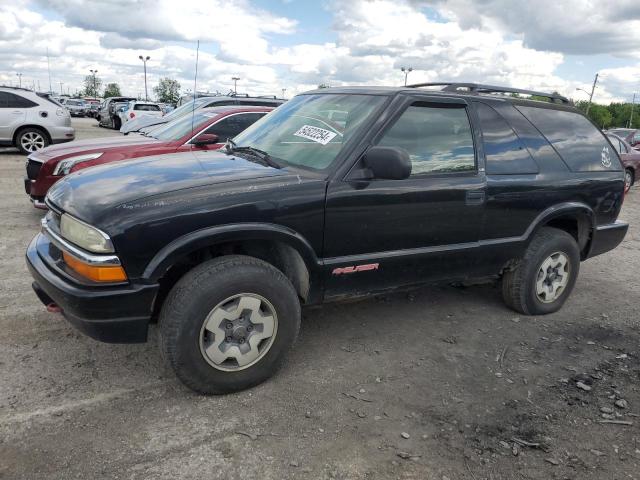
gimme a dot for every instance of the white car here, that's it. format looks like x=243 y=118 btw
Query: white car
x=137 y=109
x=30 y=121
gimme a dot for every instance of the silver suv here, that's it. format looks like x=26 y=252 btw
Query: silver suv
x=30 y=121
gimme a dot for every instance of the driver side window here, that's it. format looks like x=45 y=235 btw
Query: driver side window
x=231 y=126
x=437 y=138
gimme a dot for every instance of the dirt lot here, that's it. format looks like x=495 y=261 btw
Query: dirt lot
x=478 y=391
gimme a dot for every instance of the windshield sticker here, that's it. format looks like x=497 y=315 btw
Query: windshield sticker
x=319 y=135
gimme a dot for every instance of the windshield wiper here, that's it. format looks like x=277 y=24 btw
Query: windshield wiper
x=231 y=147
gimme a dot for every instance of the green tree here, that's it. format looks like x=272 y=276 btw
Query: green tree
x=600 y=115
x=112 y=90
x=167 y=91
x=90 y=89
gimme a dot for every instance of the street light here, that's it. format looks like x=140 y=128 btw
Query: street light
x=61 y=92
x=19 y=79
x=283 y=90
x=235 y=84
x=144 y=61
x=593 y=88
x=95 y=85
x=406 y=73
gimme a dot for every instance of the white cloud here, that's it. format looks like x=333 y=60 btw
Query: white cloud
x=495 y=43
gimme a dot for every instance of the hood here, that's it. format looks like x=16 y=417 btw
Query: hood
x=89 y=192
x=84 y=146
x=141 y=122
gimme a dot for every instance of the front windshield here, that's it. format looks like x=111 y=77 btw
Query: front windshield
x=178 y=128
x=310 y=130
x=187 y=107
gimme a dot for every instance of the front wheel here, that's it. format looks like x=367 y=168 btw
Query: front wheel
x=228 y=324
x=543 y=279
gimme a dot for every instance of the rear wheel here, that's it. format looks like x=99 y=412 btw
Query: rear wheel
x=228 y=324
x=628 y=179
x=30 y=140
x=544 y=278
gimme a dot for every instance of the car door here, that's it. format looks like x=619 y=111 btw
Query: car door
x=381 y=234
x=12 y=115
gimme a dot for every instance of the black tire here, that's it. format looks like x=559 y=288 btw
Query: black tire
x=197 y=294
x=628 y=185
x=519 y=283
x=117 y=123
x=31 y=136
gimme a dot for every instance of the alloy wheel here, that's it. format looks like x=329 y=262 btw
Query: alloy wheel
x=238 y=332
x=553 y=277
x=32 y=141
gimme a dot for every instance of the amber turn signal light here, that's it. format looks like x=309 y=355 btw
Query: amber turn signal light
x=97 y=273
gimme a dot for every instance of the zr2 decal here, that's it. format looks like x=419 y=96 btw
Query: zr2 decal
x=355 y=268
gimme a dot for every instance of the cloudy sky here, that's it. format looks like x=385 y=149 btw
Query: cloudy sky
x=297 y=44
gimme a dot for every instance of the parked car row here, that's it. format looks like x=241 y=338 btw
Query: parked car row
x=143 y=123
x=208 y=129
x=340 y=192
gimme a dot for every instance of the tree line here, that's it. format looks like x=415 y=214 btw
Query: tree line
x=167 y=90
x=613 y=115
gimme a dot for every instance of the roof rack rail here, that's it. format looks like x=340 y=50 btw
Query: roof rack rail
x=267 y=96
x=16 y=88
x=479 y=88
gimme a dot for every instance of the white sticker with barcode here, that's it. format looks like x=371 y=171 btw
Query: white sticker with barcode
x=319 y=135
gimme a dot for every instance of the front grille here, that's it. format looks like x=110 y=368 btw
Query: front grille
x=33 y=168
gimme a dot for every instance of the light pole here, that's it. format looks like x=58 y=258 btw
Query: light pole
x=633 y=104
x=283 y=90
x=19 y=75
x=406 y=73
x=235 y=84
x=61 y=92
x=144 y=61
x=593 y=88
x=95 y=85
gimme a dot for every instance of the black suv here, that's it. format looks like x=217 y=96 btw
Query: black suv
x=339 y=192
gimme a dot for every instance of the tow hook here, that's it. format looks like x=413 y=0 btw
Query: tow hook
x=53 y=308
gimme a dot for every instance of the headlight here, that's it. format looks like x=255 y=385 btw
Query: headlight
x=84 y=235
x=67 y=164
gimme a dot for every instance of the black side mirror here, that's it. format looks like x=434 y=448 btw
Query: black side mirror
x=389 y=163
x=205 y=139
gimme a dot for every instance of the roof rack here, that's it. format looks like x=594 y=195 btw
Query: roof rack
x=478 y=88
x=16 y=88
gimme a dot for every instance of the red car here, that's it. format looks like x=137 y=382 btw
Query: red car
x=207 y=130
x=630 y=160
x=629 y=135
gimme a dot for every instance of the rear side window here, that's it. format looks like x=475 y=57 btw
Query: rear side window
x=146 y=107
x=580 y=144
x=10 y=100
x=222 y=103
x=437 y=138
x=503 y=150
x=617 y=144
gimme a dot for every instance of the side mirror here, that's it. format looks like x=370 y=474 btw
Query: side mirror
x=205 y=139
x=389 y=163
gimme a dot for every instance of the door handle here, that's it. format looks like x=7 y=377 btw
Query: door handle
x=474 y=197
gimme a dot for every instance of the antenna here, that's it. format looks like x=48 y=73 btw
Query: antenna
x=49 y=70
x=195 y=83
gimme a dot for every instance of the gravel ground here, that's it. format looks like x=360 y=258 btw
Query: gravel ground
x=441 y=383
